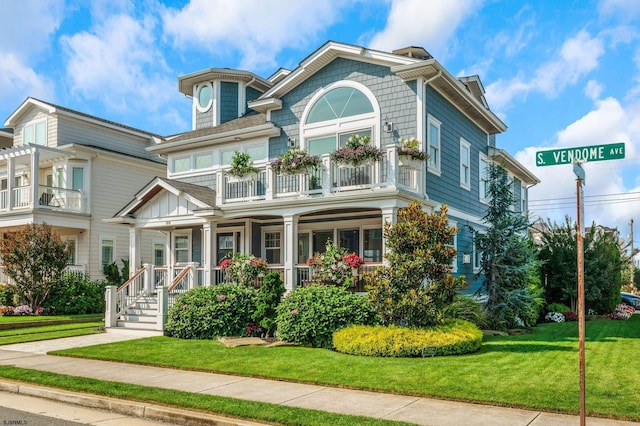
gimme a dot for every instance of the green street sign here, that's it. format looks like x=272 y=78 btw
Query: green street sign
x=614 y=151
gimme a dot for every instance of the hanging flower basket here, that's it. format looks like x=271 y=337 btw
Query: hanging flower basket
x=296 y=161
x=357 y=152
x=242 y=168
x=410 y=154
x=247 y=177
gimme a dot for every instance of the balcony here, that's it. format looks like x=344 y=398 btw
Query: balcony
x=48 y=197
x=333 y=178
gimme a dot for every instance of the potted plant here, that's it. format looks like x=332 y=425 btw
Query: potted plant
x=357 y=152
x=410 y=154
x=242 y=167
x=296 y=161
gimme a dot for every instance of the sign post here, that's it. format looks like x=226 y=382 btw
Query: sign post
x=577 y=156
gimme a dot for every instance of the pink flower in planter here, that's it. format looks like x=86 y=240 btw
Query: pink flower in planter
x=225 y=263
x=294 y=312
x=184 y=306
x=222 y=297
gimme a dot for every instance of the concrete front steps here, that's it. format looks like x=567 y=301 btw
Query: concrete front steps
x=142 y=315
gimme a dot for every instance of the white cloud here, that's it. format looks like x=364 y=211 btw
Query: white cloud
x=429 y=24
x=118 y=64
x=19 y=81
x=577 y=57
x=593 y=89
x=259 y=30
x=622 y=9
x=609 y=122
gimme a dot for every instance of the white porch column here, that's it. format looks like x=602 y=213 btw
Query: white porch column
x=207 y=252
x=11 y=178
x=389 y=215
x=271 y=183
x=192 y=281
x=163 y=307
x=35 y=177
x=247 y=236
x=135 y=259
x=290 y=251
x=392 y=166
x=327 y=174
x=219 y=189
x=147 y=279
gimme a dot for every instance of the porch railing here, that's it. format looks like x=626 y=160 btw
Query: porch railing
x=48 y=197
x=267 y=185
x=130 y=291
x=181 y=284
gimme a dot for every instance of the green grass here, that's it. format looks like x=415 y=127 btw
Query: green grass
x=26 y=318
x=31 y=334
x=238 y=408
x=538 y=370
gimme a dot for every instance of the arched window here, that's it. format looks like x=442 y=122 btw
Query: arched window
x=337 y=112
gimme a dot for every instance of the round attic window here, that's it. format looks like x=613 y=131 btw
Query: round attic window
x=205 y=96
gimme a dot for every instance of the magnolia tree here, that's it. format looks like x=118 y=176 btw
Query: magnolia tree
x=417 y=285
x=35 y=258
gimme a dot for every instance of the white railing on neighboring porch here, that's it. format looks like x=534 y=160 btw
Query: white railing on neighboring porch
x=48 y=196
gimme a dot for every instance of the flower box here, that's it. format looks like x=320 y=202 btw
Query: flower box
x=244 y=178
x=363 y=163
x=409 y=161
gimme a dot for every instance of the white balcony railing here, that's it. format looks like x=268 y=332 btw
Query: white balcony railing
x=48 y=197
x=333 y=178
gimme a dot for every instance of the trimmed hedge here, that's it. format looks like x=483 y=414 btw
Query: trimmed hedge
x=453 y=337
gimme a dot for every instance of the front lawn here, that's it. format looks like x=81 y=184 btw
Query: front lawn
x=28 y=318
x=538 y=371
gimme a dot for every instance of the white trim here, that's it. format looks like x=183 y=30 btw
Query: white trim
x=113 y=249
x=464 y=145
x=436 y=167
x=196 y=98
x=176 y=233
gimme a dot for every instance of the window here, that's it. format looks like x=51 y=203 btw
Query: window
x=336 y=113
x=349 y=239
x=182 y=247
x=453 y=242
x=372 y=245
x=319 y=241
x=477 y=254
x=158 y=254
x=433 y=138
x=77 y=178
x=71 y=243
x=303 y=247
x=205 y=97
x=465 y=164
x=484 y=179
x=35 y=133
x=203 y=160
x=272 y=247
x=107 y=250
x=523 y=199
x=181 y=164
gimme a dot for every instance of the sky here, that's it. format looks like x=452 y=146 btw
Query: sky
x=559 y=73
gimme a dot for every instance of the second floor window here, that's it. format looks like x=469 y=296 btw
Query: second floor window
x=433 y=138
x=484 y=178
x=35 y=133
x=465 y=164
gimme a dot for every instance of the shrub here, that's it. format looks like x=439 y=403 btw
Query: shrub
x=76 y=294
x=8 y=295
x=22 y=310
x=310 y=315
x=210 y=312
x=452 y=337
x=466 y=308
x=558 y=307
x=269 y=297
x=6 y=311
x=554 y=317
x=570 y=316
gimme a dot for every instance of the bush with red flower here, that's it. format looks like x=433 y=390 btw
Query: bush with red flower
x=622 y=312
x=334 y=266
x=243 y=268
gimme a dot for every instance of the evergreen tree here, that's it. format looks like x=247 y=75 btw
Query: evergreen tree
x=508 y=259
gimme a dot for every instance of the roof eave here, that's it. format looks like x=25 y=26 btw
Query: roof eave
x=186 y=82
x=503 y=158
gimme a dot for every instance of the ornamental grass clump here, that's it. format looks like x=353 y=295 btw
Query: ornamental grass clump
x=453 y=337
x=357 y=151
x=296 y=161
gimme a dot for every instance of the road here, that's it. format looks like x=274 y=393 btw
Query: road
x=21 y=410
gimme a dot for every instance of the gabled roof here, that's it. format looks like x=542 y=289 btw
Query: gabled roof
x=249 y=126
x=503 y=158
x=30 y=103
x=204 y=198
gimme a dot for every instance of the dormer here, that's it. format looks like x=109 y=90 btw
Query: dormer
x=220 y=95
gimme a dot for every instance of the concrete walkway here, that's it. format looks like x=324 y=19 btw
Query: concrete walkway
x=422 y=411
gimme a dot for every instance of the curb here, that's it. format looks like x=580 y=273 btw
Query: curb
x=129 y=408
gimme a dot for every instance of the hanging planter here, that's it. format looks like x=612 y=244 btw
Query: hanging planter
x=296 y=161
x=410 y=154
x=357 y=152
x=242 y=168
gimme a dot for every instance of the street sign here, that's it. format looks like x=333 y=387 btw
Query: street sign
x=614 y=151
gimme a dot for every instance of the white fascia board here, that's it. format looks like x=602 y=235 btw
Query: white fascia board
x=13 y=119
x=265 y=104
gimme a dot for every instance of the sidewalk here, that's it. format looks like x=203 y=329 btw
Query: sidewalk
x=422 y=411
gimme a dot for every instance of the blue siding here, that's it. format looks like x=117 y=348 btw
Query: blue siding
x=228 y=101
x=251 y=94
x=396 y=99
x=446 y=187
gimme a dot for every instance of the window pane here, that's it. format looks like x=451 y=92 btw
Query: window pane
x=350 y=240
x=158 y=254
x=181 y=164
x=303 y=247
x=257 y=153
x=203 y=161
x=107 y=252
x=225 y=157
x=77 y=178
x=28 y=134
x=72 y=252
x=321 y=146
x=225 y=246
x=373 y=245
x=204 y=96
x=321 y=111
x=41 y=130
x=358 y=104
x=320 y=239
x=182 y=241
x=345 y=136
x=338 y=103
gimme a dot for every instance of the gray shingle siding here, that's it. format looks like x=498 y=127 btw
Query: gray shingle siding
x=396 y=99
x=454 y=125
x=228 y=101
x=250 y=95
x=204 y=119
x=203 y=180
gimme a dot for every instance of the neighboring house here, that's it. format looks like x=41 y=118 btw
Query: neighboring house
x=6 y=138
x=337 y=91
x=73 y=171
